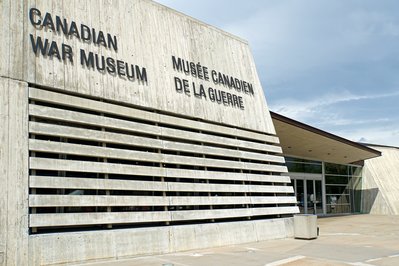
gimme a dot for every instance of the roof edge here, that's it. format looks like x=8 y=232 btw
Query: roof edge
x=323 y=133
x=379 y=145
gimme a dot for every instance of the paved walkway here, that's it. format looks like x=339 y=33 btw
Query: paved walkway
x=346 y=240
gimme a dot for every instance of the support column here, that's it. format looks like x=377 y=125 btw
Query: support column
x=14 y=155
x=323 y=188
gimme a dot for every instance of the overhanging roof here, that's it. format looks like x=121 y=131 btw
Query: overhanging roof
x=301 y=140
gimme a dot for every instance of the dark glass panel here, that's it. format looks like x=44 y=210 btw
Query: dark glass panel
x=337 y=169
x=336 y=190
x=337 y=180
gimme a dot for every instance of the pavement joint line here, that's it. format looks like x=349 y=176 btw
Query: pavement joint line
x=172 y=262
x=340 y=234
x=253 y=249
x=360 y=264
x=375 y=259
x=284 y=261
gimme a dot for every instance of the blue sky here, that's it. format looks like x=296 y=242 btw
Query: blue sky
x=330 y=64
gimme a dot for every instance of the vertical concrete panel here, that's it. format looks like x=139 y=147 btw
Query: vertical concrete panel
x=14 y=172
x=4 y=44
x=12 y=38
x=381 y=183
x=4 y=97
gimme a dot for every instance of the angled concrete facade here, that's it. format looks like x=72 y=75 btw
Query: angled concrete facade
x=381 y=182
x=127 y=129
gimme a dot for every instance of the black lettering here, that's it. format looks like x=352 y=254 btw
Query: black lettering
x=120 y=66
x=186 y=67
x=202 y=91
x=250 y=88
x=214 y=76
x=238 y=84
x=100 y=65
x=224 y=99
x=206 y=74
x=218 y=96
x=199 y=71
x=235 y=101
x=131 y=74
x=141 y=74
x=93 y=35
x=186 y=89
x=63 y=25
x=87 y=61
x=112 y=42
x=110 y=65
x=67 y=53
x=101 y=39
x=232 y=85
x=211 y=94
x=32 y=13
x=229 y=99
x=177 y=65
x=220 y=78
x=85 y=33
x=196 y=94
x=193 y=69
x=48 y=21
x=53 y=51
x=73 y=30
x=178 y=85
x=240 y=102
x=226 y=80
x=38 y=45
x=245 y=87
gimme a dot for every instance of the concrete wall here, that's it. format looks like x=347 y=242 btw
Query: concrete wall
x=13 y=172
x=117 y=244
x=148 y=35
x=92 y=152
x=381 y=182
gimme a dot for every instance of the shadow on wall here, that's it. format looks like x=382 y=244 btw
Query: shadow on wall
x=368 y=199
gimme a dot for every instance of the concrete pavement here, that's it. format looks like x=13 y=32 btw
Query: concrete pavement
x=346 y=240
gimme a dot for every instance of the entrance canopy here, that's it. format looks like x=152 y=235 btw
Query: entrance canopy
x=301 y=140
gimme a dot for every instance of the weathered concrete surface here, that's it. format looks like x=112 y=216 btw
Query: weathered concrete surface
x=13 y=172
x=67 y=248
x=148 y=35
x=380 y=183
x=347 y=240
x=305 y=226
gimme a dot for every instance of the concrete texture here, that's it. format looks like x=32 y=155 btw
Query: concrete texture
x=67 y=248
x=305 y=226
x=380 y=183
x=13 y=172
x=154 y=34
x=347 y=240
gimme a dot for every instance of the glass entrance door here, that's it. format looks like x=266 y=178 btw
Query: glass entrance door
x=309 y=196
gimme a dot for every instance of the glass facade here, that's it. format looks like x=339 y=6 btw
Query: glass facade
x=325 y=188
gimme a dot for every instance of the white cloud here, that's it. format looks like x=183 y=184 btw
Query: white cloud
x=303 y=110
x=386 y=135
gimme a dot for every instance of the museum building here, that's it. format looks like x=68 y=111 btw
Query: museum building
x=129 y=129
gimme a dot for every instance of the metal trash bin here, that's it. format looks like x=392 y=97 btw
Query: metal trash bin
x=305 y=226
